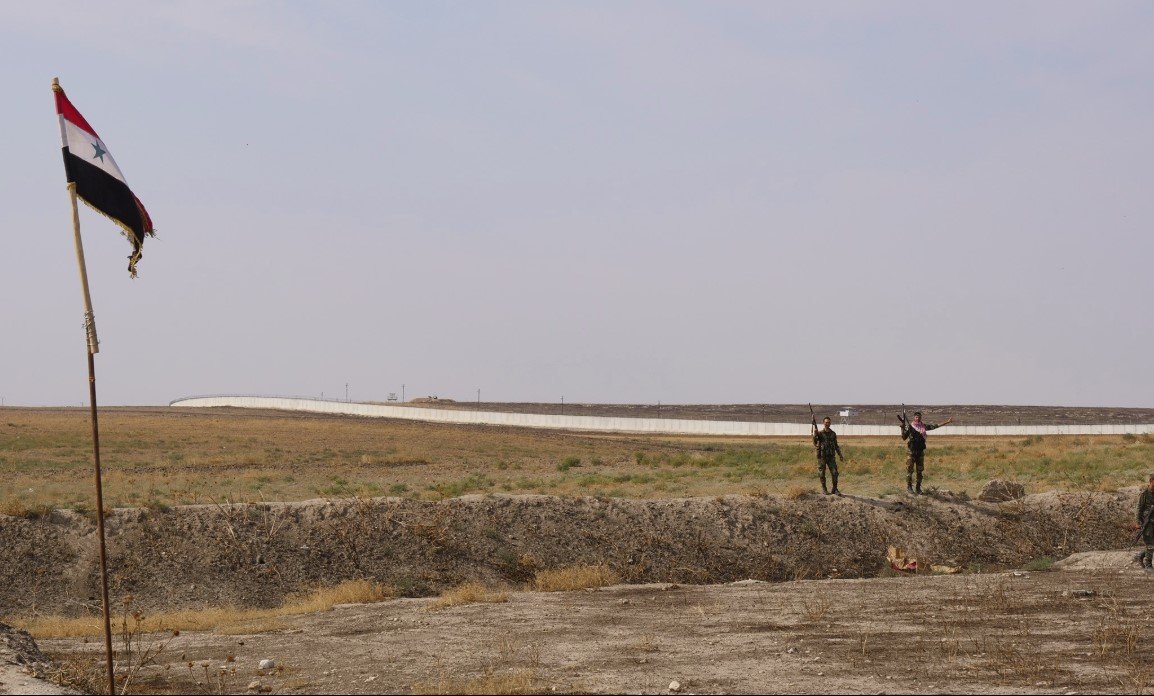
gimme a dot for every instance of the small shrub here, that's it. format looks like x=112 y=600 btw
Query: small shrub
x=569 y=463
x=796 y=492
x=348 y=592
x=1039 y=564
x=816 y=608
x=469 y=593
x=18 y=507
x=574 y=578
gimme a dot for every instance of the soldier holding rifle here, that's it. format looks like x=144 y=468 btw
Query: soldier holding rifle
x=825 y=443
x=1145 y=524
x=914 y=433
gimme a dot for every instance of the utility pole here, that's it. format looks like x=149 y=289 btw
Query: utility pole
x=478 y=395
x=402 y=393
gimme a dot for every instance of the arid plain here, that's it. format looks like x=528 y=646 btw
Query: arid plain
x=225 y=523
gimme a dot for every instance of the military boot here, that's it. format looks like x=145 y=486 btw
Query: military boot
x=909 y=485
x=918 y=487
x=835 y=490
x=824 y=490
x=1147 y=557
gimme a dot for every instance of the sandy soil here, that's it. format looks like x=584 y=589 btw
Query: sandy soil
x=1084 y=629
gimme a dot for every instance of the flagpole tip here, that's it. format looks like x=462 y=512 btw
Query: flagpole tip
x=56 y=84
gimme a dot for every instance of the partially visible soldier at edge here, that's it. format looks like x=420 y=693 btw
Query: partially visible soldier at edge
x=914 y=433
x=825 y=442
x=1145 y=526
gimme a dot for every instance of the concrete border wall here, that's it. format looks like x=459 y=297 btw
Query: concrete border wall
x=666 y=426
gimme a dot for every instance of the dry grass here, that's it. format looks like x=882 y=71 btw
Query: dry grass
x=19 y=506
x=469 y=593
x=816 y=608
x=225 y=620
x=797 y=491
x=573 y=578
x=159 y=457
x=516 y=681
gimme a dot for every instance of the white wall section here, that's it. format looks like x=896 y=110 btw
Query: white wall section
x=667 y=426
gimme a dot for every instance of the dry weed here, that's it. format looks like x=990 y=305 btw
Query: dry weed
x=518 y=681
x=86 y=675
x=816 y=609
x=574 y=578
x=229 y=620
x=796 y=491
x=469 y=593
x=251 y=628
x=28 y=509
x=349 y=592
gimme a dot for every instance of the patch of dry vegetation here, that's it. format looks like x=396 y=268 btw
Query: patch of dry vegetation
x=469 y=593
x=160 y=457
x=225 y=620
x=574 y=578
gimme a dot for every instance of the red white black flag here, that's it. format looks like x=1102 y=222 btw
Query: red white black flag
x=99 y=183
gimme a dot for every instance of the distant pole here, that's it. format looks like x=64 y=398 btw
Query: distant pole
x=346 y=392
x=402 y=393
x=93 y=349
x=562 y=405
x=478 y=395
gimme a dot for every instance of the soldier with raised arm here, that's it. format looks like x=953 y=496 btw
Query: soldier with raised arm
x=914 y=433
x=825 y=442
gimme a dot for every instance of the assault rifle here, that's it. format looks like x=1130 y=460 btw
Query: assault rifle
x=1145 y=524
x=812 y=419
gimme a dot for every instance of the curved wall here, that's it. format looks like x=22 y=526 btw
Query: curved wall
x=628 y=425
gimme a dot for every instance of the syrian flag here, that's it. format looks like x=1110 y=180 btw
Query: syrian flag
x=99 y=183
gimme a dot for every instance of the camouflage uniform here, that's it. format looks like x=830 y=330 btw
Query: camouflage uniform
x=916 y=442
x=825 y=444
x=1145 y=502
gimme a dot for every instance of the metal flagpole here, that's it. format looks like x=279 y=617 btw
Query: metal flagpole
x=93 y=349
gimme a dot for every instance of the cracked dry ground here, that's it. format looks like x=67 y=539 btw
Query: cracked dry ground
x=1085 y=629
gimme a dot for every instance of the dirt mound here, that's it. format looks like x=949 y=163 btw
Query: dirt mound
x=18 y=647
x=22 y=665
x=999 y=491
x=255 y=555
x=1085 y=561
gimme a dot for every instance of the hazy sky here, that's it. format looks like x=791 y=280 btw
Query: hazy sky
x=603 y=201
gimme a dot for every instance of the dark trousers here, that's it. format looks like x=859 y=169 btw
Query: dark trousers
x=822 y=465
x=916 y=462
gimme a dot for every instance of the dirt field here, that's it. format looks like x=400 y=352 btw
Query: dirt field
x=162 y=457
x=423 y=508
x=1073 y=631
